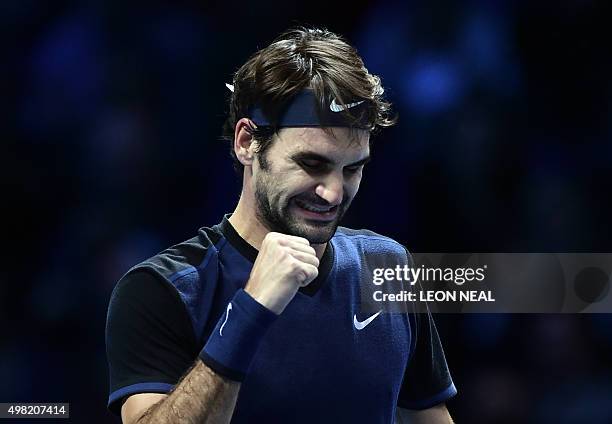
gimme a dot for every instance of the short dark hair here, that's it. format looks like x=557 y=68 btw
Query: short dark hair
x=298 y=59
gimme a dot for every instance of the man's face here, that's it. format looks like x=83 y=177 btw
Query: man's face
x=307 y=178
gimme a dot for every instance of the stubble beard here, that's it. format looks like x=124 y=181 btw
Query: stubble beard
x=279 y=218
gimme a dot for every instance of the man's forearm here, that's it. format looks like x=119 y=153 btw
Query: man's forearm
x=202 y=396
x=435 y=415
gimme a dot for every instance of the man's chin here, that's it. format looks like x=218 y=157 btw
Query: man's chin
x=317 y=232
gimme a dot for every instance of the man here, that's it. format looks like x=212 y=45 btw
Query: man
x=257 y=319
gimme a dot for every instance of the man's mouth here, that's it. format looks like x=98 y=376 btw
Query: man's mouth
x=315 y=211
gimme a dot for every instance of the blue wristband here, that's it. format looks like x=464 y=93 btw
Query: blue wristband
x=234 y=341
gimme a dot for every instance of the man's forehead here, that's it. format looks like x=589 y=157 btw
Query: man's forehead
x=336 y=140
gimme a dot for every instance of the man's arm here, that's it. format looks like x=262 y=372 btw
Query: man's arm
x=283 y=265
x=202 y=396
x=435 y=415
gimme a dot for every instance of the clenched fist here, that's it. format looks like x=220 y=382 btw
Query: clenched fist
x=284 y=264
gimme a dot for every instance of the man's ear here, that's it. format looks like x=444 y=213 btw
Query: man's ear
x=244 y=144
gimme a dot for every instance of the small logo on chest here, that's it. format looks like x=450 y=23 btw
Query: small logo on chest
x=360 y=325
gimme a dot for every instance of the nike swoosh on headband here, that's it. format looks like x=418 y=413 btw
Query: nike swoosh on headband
x=335 y=107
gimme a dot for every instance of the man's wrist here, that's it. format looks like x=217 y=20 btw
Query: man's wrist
x=237 y=335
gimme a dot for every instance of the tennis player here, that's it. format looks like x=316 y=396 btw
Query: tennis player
x=257 y=319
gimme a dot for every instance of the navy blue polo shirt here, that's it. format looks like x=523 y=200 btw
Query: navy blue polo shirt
x=313 y=364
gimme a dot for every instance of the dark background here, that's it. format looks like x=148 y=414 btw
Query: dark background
x=111 y=124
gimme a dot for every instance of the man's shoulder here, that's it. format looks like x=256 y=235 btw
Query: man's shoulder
x=182 y=258
x=183 y=278
x=344 y=232
x=368 y=240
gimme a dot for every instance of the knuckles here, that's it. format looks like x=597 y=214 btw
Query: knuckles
x=276 y=247
x=279 y=238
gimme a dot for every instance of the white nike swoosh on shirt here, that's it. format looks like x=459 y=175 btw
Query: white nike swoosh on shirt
x=229 y=308
x=363 y=324
x=335 y=107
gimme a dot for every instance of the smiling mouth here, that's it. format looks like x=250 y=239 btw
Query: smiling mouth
x=319 y=212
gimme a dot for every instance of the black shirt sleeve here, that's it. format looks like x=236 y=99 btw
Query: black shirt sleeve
x=150 y=342
x=427 y=380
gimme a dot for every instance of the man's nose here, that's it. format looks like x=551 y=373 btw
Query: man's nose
x=331 y=188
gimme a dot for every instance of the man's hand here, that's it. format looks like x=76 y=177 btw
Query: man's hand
x=284 y=264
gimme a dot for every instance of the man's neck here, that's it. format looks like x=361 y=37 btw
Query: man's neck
x=247 y=225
